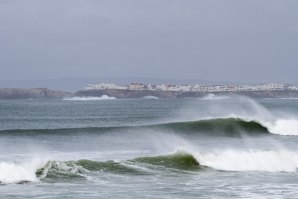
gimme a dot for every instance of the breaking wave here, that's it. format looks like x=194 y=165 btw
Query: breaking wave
x=18 y=172
x=247 y=109
x=104 y=97
x=251 y=160
x=227 y=160
x=222 y=126
x=212 y=96
x=284 y=127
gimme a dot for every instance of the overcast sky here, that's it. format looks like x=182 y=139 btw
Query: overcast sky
x=217 y=40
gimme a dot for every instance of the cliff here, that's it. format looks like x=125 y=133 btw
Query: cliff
x=33 y=93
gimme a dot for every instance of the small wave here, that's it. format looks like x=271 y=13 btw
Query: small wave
x=212 y=96
x=286 y=98
x=104 y=97
x=150 y=97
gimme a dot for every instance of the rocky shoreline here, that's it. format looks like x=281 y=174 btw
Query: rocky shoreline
x=44 y=93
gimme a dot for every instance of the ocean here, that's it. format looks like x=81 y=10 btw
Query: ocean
x=211 y=147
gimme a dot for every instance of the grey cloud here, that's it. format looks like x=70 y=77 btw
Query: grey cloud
x=230 y=40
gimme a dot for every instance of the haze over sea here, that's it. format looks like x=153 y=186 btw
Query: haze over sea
x=212 y=147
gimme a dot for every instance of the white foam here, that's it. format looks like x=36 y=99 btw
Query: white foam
x=287 y=98
x=212 y=96
x=14 y=172
x=104 y=97
x=283 y=126
x=251 y=160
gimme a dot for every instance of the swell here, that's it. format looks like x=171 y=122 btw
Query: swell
x=220 y=126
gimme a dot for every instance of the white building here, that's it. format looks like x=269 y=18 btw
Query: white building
x=103 y=86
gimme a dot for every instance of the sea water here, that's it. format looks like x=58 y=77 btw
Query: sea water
x=212 y=147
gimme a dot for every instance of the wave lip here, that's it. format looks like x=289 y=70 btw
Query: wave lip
x=103 y=97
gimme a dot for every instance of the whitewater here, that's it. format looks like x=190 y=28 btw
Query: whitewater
x=210 y=147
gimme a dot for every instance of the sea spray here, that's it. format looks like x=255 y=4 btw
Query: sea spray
x=250 y=160
x=284 y=126
x=243 y=108
x=16 y=172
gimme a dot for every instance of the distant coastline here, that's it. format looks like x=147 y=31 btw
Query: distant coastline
x=120 y=94
x=44 y=93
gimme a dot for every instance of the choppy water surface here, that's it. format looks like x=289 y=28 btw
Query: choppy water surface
x=214 y=147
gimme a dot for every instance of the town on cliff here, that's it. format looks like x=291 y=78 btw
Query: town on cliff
x=192 y=88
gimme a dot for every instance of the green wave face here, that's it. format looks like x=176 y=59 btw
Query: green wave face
x=108 y=166
x=180 y=160
x=55 y=171
x=226 y=126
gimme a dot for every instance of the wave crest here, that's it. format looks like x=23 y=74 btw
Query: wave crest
x=252 y=160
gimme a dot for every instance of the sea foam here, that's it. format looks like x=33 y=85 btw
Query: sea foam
x=104 y=97
x=250 y=160
x=15 y=172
